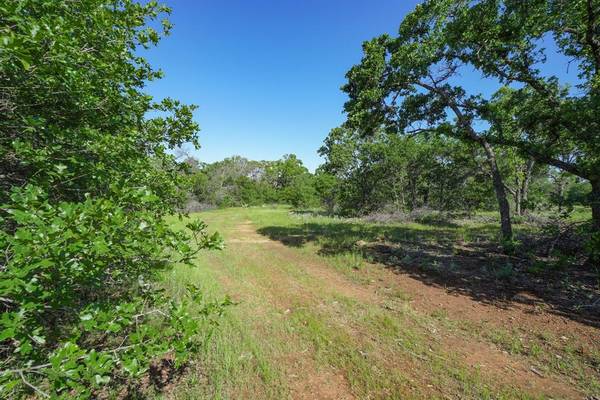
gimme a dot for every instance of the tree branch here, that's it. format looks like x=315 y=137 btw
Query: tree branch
x=35 y=388
x=590 y=35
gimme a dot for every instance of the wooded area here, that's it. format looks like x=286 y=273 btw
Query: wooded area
x=480 y=192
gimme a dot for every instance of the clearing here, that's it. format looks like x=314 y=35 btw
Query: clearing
x=322 y=315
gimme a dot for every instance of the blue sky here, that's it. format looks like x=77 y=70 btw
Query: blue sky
x=266 y=73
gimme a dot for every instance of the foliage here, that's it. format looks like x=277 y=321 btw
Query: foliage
x=80 y=306
x=301 y=192
x=327 y=189
x=292 y=181
x=392 y=173
x=542 y=117
x=410 y=83
x=86 y=184
x=72 y=100
x=237 y=181
x=234 y=181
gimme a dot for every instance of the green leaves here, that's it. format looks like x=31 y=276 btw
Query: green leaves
x=76 y=112
x=86 y=184
x=411 y=83
x=90 y=268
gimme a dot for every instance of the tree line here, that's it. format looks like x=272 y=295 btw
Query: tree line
x=387 y=173
x=403 y=173
x=237 y=181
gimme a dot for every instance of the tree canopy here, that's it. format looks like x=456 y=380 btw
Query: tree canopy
x=409 y=84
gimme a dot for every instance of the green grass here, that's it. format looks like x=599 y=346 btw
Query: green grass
x=291 y=324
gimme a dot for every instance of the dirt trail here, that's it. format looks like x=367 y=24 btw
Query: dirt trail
x=307 y=381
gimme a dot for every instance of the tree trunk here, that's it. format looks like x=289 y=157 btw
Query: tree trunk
x=524 y=189
x=518 y=201
x=466 y=123
x=505 y=223
x=595 y=200
x=560 y=187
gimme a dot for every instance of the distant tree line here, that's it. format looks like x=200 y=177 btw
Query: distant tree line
x=237 y=181
x=389 y=173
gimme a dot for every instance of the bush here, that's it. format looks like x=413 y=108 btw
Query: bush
x=80 y=306
x=87 y=180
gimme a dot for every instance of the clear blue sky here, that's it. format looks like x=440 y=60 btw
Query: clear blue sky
x=266 y=73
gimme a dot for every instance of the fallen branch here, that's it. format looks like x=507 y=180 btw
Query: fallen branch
x=35 y=388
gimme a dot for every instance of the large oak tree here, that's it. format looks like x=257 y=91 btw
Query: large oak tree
x=411 y=82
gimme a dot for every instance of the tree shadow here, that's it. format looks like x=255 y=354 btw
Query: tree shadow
x=309 y=212
x=466 y=260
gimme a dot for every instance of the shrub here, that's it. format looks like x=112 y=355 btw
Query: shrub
x=86 y=181
x=80 y=306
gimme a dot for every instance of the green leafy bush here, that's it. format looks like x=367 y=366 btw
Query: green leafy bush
x=80 y=306
x=86 y=180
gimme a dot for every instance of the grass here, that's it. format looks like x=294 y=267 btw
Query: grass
x=305 y=311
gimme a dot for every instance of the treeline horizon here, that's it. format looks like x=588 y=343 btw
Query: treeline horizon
x=403 y=174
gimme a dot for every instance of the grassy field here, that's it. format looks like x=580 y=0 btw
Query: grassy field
x=334 y=309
